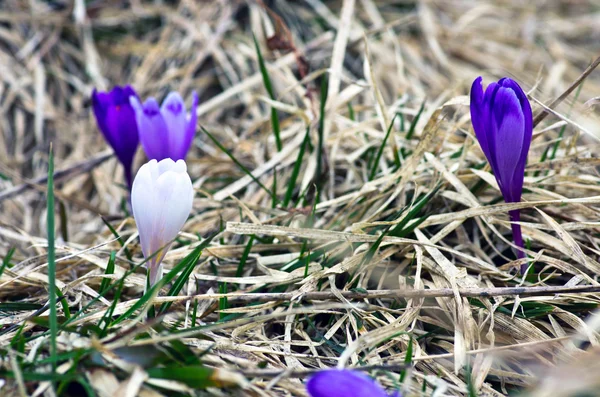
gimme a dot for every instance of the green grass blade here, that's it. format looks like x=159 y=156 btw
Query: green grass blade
x=192 y=257
x=64 y=303
x=110 y=269
x=407 y=359
x=6 y=260
x=109 y=313
x=274 y=189
x=246 y=170
x=223 y=304
x=351 y=115
x=380 y=151
x=296 y=170
x=240 y=270
x=19 y=306
x=51 y=258
x=188 y=268
x=269 y=88
x=197 y=376
x=413 y=124
x=64 y=229
x=398 y=230
x=118 y=237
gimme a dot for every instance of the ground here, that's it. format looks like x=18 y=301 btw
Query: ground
x=343 y=208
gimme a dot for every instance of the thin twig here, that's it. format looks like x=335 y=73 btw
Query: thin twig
x=393 y=293
x=79 y=168
x=542 y=115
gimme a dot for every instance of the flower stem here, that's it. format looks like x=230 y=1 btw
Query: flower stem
x=515 y=216
x=128 y=177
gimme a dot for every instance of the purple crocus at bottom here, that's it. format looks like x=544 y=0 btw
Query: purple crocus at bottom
x=503 y=125
x=344 y=383
x=166 y=131
x=116 y=119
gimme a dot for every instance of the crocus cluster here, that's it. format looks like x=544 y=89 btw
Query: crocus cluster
x=161 y=193
x=165 y=132
x=161 y=199
x=503 y=125
x=344 y=383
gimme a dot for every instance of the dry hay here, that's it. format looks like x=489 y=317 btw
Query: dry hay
x=446 y=252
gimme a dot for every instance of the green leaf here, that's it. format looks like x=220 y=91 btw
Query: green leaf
x=381 y=147
x=110 y=269
x=18 y=306
x=415 y=120
x=223 y=304
x=195 y=376
x=246 y=170
x=296 y=170
x=192 y=257
x=398 y=230
x=188 y=268
x=240 y=270
x=407 y=359
x=269 y=88
x=6 y=260
x=119 y=239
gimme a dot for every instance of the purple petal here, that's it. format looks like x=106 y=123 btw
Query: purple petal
x=508 y=141
x=490 y=127
x=116 y=120
x=154 y=133
x=527 y=134
x=477 y=117
x=174 y=114
x=190 y=129
x=343 y=383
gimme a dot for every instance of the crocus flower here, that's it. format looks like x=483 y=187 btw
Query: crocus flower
x=166 y=131
x=116 y=120
x=344 y=383
x=503 y=124
x=161 y=199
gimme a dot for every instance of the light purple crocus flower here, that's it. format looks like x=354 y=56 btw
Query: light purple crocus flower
x=344 y=383
x=503 y=124
x=116 y=119
x=166 y=131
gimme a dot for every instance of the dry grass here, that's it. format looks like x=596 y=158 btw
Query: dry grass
x=434 y=224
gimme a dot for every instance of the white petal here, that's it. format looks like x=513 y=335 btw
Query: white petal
x=165 y=165
x=161 y=200
x=143 y=203
x=177 y=194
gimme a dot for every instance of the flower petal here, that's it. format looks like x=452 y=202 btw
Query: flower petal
x=477 y=116
x=144 y=204
x=117 y=122
x=173 y=112
x=120 y=121
x=343 y=383
x=161 y=200
x=153 y=130
x=527 y=132
x=508 y=141
x=190 y=129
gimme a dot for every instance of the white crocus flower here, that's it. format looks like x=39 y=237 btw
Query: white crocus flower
x=161 y=199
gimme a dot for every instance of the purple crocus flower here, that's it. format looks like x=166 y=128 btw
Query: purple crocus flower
x=503 y=124
x=116 y=120
x=344 y=383
x=166 y=131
